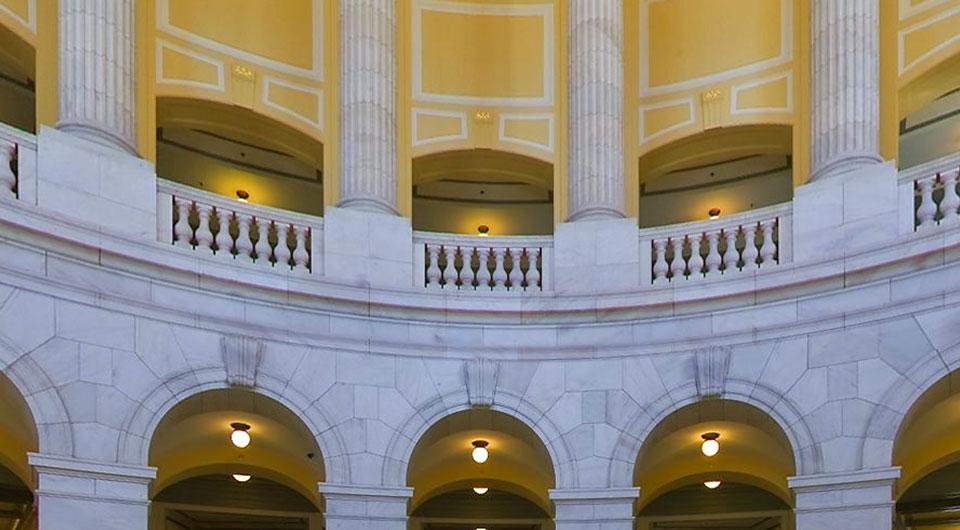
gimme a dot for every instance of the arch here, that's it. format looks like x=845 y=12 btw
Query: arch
x=932 y=79
x=141 y=424
x=401 y=446
x=219 y=469
x=806 y=453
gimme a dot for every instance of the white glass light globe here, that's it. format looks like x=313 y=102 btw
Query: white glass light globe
x=240 y=438
x=240 y=477
x=712 y=484
x=480 y=454
x=710 y=447
x=480 y=490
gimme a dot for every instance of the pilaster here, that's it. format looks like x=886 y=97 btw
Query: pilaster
x=75 y=494
x=96 y=50
x=583 y=509
x=350 y=507
x=845 y=95
x=841 y=501
x=368 y=113
x=595 y=107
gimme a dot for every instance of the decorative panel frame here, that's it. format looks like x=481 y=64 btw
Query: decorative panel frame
x=735 y=91
x=547 y=117
x=907 y=10
x=459 y=115
x=269 y=81
x=30 y=22
x=690 y=101
x=162 y=79
x=902 y=66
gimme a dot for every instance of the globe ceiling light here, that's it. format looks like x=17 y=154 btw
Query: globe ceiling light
x=712 y=484
x=480 y=490
x=240 y=437
x=480 y=453
x=241 y=477
x=710 y=445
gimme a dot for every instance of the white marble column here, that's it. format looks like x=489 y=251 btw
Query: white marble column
x=595 y=82
x=845 y=79
x=74 y=494
x=842 y=501
x=352 y=507
x=368 y=112
x=598 y=509
x=97 y=45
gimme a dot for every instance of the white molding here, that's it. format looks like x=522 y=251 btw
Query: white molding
x=265 y=99
x=845 y=479
x=551 y=136
x=786 y=55
x=594 y=494
x=902 y=35
x=315 y=73
x=460 y=115
x=689 y=101
x=372 y=492
x=102 y=470
x=31 y=22
x=736 y=89
x=161 y=78
x=544 y=11
x=907 y=10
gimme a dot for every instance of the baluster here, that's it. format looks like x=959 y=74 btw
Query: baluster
x=433 y=266
x=262 y=248
x=244 y=244
x=660 y=267
x=533 y=269
x=301 y=258
x=483 y=270
x=713 y=252
x=928 y=209
x=224 y=239
x=731 y=258
x=204 y=235
x=750 y=246
x=516 y=273
x=450 y=267
x=769 y=248
x=466 y=269
x=951 y=201
x=499 y=273
x=182 y=231
x=8 y=179
x=677 y=265
x=282 y=251
x=695 y=263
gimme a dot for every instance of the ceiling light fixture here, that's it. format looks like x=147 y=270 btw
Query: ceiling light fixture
x=483 y=230
x=710 y=445
x=712 y=484
x=240 y=477
x=480 y=490
x=714 y=213
x=480 y=453
x=240 y=437
x=242 y=195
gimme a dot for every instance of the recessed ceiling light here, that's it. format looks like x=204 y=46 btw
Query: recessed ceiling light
x=480 y=490
x=712 y=484
x=241 y=477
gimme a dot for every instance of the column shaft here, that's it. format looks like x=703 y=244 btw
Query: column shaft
x=368 y=114
x=595 y=107
x=97 y=97
x=845 y=102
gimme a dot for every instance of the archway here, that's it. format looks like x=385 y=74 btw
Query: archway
x=227 y=150
x=927 y=448
x=930 y=115
x=742 y=486
x=18 y=436
x=17 y=81
x=731 y=169
x=205 y=479
x=452 y=490
x=458 y=191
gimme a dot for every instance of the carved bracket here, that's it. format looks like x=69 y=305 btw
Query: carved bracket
x=480 y=377
x=713 y=365
x=241 y=357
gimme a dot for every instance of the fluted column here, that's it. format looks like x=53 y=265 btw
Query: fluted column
x=368 y=114
x=97 y=99
x=595 y=168
x=845 y=86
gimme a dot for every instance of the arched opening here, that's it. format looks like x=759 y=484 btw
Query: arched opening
x=741 y=486
x=731 y=169
x=206 y=480
x=18 y=436
x=227 y=149
x=512 y=484
x=458 y=191
x=18 y=91
x=927 y=448
x=930 y=115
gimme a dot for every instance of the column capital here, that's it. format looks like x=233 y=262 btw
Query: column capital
x=365 y=505
x=864 y=493
x=611 y=495
x=363 y=490
x=74 y=478
x=582 y=505
x=845 y=479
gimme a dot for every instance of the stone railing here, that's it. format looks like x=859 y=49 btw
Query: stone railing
x=209 y=223
x=716 y=248
x=930 y=193
x=517 y=264
x=18 y=167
